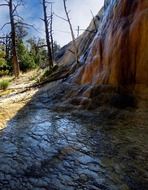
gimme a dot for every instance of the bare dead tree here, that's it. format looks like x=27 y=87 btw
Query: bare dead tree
x=13 y=37
x=78 y=31
x=12 y=7
x=51 y=31
x=48 y=31
x=72 y=32
x=94 y=21
x=14 y=20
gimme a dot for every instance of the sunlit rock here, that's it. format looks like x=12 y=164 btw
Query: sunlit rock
x=119 y=52
x=66 y=54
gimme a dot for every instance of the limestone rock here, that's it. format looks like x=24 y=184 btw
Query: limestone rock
x=119 y=52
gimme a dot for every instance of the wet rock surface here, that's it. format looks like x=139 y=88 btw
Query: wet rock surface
x=41 y=149
x=118 y=53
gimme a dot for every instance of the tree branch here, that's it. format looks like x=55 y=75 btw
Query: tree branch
x=60 y=17
x=4 y=25
x=15 y=7
x=72 y=33
x=94 y=21
x=1 y=5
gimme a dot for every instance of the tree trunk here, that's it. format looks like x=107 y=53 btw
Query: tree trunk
x=51 y=30
x=50 y=60
x=16 y=68
x=72 y=33
x=7 y=48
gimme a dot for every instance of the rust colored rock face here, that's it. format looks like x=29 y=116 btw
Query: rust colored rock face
x=119 y=52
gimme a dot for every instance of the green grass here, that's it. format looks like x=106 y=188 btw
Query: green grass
x=4 y=84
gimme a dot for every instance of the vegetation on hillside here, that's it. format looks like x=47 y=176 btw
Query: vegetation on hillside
x=19 y=51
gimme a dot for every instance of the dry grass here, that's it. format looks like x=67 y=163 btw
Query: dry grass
x=9 y=106
x=7 y=112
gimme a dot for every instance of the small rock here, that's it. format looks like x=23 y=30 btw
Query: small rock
x=83 y=178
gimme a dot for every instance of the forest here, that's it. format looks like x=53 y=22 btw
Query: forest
x=73 y=95
x=18 y=52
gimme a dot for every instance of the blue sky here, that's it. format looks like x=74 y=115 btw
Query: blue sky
x=80 y=16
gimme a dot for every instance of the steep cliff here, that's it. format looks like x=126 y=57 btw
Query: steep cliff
x=113 y=60
x=119 y=52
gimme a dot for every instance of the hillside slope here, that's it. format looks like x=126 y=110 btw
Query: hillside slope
x=116 y=56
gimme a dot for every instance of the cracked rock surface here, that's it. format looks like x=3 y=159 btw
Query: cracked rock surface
x=45 y=150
